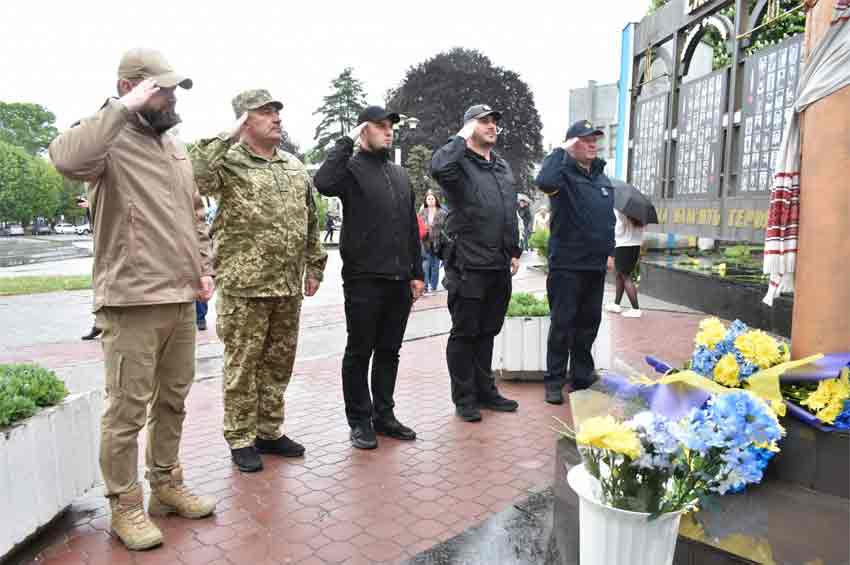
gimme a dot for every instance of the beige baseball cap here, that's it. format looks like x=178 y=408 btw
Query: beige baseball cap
x=149 y=63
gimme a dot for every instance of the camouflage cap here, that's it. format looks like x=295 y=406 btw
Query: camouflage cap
x=253 y=99
x=148 y=63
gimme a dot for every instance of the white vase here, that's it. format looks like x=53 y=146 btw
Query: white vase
x=610 y=536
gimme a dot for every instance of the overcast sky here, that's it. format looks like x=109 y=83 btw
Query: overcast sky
x=64 y=55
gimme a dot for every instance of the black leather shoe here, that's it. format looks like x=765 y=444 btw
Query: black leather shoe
x=555 y=394
x=585 y=383
x=247 y=459
x=499 y=403
x=468 y=413
x=391 y=427
x=202 y=325
x=282 y=446
x=363 y=437
x=95 y=331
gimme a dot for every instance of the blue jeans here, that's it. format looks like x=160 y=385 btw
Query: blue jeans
x=200 y=311
x=431 y=266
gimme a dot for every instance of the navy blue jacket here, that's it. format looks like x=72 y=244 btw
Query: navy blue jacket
x=582 y=224
x=482 y=221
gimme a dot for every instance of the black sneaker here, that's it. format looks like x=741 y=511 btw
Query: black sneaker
x=282 y=446
x=555 y=394
x=499 y=403
x=363 y=436
x=95 y=331
x=202 y=325
x=391 y=427
x=247 y=459
x=468 y=413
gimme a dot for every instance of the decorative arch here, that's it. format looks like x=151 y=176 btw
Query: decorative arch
x=719 y=22
x=665 y=58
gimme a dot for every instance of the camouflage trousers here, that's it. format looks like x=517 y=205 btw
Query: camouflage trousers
x=260 y=336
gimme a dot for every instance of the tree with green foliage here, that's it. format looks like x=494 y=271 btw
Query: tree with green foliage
x=438 y=91
x=29 y=186
x=339 y=109
x=418 y=163
x=30 y=126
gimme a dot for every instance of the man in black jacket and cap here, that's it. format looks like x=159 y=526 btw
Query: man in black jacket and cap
x=480 y=256
x=381 y=269
x=580 y=249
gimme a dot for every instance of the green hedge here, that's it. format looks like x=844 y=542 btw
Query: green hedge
x=539 y=241
x=26 y=388
x=524 y=304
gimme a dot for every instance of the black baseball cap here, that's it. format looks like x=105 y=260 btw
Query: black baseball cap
x=376 y=114
x=479 y=111
x=583 y=128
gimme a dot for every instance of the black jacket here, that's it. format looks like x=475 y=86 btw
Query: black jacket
x=582 y=224
x=482 y=220
x=380 y=232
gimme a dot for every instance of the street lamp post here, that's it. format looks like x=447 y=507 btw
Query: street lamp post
x=409 y=121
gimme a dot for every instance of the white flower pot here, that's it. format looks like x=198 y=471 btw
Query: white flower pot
x=45 y=463
x=520 y=348
x=609 y=536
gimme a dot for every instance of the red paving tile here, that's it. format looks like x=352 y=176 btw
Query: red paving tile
x=339 y=505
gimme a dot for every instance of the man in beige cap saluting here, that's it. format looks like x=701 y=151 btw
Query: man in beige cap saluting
x=267 y=255
x=151 y=261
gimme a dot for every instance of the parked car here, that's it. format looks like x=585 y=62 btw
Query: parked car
x=64 y=228
x=41 y=229
x=83 y=229
x=13 y=229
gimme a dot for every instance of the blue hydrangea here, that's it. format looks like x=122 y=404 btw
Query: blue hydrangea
x=842 y=421
x=704 y=360
x=735 y=329
x=660 y=447
x=749 y=468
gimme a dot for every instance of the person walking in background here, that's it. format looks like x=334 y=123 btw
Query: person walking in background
x=83 y=202
x=481 y=255
x=628 y=234
x=381 y=270
x=580 y=250
x=524 y=213
x=433 y=217
x=152 y=259
x=268 y=256
x=329 y=227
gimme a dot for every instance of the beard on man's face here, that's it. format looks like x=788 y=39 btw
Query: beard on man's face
x=161 y=120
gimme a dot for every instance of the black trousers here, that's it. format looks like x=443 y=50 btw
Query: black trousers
x=575 y=303
x=478 y=301
x=376 y=312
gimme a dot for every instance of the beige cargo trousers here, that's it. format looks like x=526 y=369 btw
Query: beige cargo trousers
x=149 y=356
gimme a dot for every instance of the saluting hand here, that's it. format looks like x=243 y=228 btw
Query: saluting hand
x=354 y=134
x=236 y=129
x=136 y=99
x=467 y=130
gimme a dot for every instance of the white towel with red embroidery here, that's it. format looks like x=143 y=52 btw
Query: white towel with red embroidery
x=826 y=71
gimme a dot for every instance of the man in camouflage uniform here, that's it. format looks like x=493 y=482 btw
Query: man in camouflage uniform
x=266 y=238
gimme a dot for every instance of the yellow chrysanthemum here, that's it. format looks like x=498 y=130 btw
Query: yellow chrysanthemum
x=607 y=433
x=726 y=371
x=784 y=353
x=829 y=391
x=758 y=348
x=828 y=414
x=712 y=332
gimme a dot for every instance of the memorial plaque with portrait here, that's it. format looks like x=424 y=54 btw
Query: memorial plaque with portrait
x=698 y=141
x=770 y=84
x=647 y=168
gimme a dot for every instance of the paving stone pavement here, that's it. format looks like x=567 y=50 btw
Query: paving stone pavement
x=337 y=504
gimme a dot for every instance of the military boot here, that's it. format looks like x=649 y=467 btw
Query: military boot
x=170 y=496
x=130 y=523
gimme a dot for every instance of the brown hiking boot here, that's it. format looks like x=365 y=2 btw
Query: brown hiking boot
x=170 y=496
x=130 y=523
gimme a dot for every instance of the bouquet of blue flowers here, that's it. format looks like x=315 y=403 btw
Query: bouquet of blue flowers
x=650 y=463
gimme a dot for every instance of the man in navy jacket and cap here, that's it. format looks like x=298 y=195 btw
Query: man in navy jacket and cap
x=580 y=249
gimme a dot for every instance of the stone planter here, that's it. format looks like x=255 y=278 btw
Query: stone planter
x=519 y=352
x=45 y=463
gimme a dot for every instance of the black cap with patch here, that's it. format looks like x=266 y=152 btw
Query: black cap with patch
x=583 y=128
x=479 y=111
x=376 y=114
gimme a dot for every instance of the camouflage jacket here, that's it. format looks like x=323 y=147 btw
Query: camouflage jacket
x=266 y=231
